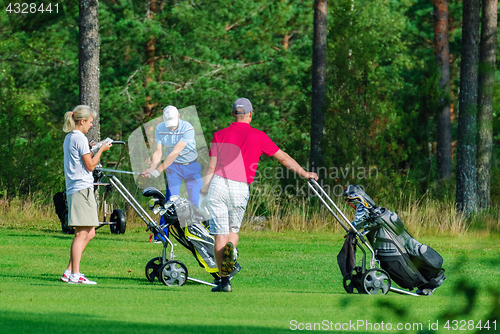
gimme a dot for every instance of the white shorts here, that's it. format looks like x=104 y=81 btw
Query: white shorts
x=82 y=208
x=227 y=201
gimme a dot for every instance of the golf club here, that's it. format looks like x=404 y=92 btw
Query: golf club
x=116 y=171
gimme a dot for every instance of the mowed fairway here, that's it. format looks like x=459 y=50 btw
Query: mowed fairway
x=289 y=282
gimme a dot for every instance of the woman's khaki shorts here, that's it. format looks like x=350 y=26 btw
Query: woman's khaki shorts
x=82 y=208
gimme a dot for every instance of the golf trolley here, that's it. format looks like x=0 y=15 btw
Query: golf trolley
x=392 y=251
x=117 y=219
x=163 y=267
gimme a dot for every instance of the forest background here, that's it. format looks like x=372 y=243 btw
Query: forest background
x=381 y=99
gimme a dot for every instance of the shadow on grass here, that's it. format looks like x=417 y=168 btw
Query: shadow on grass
x=56 y=279
x=463 y=287
x=54 y=323
x=51 y=280
x=98 y=237
x=312 y=292
x=41 y=235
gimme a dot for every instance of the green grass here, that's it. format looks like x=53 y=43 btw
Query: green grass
x=286 y=276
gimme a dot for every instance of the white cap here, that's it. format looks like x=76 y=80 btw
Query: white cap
x=171 y=116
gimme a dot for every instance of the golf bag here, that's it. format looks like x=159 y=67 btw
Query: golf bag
x=409 y=263
x=189 y=226
x=62 y=211
x=60 y=205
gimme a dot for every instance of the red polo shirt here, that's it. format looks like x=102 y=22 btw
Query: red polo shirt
x=238 y=149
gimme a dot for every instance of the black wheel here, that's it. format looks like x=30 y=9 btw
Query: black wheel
x=173 y=273
x=153 y=269
x=353 y=284
x=376 y=281
x=119 y=220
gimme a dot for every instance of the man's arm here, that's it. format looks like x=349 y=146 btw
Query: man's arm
x=154 y=160
x=172 y=156
x=90 y=162
x=207 y=175
x=292 y=165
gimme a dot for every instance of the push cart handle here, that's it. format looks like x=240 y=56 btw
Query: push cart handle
x=330 y=205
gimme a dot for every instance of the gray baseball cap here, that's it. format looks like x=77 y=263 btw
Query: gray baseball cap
x=242 y=106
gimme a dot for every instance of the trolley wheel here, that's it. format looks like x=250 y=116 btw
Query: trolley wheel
x=173 y=273
x=153 y=269
x=354 y=282
x=376 y=281
x=119 y=220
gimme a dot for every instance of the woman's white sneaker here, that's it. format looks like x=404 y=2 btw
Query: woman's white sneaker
x=80 y=279
x=65 y=276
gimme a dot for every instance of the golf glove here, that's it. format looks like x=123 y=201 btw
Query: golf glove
x=154 y=173
x=204 y=203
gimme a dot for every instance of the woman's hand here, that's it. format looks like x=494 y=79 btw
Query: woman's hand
x=106 y=146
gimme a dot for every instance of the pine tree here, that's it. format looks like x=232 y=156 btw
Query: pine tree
x=441 y=49
x=88 y=58
x=485 y=99
x=466 y=195
x=318 y=82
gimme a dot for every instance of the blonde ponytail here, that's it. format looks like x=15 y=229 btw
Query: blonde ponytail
x=72 y=117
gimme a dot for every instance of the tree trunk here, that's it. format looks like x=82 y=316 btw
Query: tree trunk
x=485 y=100
x=466 y=196
x=318 y=83
x=88 y=58
x=441 y=49
x=150 y=60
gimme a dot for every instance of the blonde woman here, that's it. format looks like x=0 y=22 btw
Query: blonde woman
x=78 y=166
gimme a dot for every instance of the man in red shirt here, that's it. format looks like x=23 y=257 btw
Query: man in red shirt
x=234 y=156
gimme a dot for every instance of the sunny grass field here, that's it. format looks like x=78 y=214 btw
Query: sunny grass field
x=290 y=280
